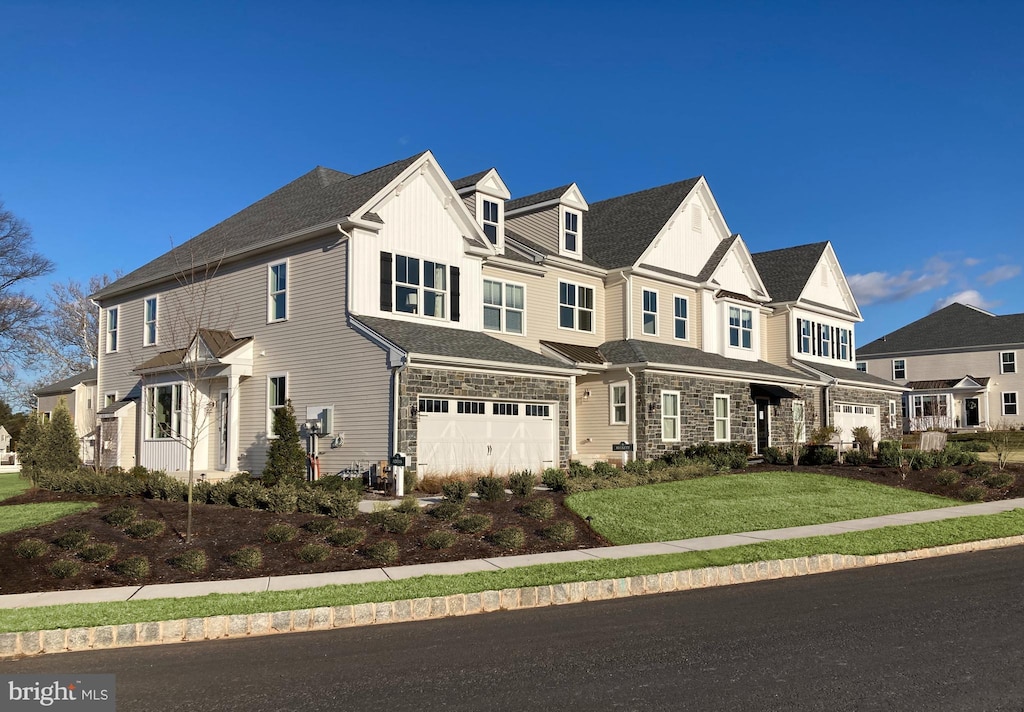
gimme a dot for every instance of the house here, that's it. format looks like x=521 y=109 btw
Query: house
x=79 y=395
x=400 y=311
x=960 y=365
x=8 y=458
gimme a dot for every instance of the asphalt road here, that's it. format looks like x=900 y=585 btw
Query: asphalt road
x=942 y=634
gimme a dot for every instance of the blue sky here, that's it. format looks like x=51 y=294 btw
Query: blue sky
x=891 y=129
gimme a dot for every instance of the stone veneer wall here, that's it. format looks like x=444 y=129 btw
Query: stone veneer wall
x=419 y=381
x=879 y=399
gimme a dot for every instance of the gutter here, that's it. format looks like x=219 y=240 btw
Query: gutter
x=632 y=421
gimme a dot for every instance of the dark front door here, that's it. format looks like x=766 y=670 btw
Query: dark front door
x=761 y=408
x=971 y=419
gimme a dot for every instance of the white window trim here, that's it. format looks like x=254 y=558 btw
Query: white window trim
x=729 y=327
x=504 y=307
x=644 y=312
x=1002 y=363
x=562 y=250
x=115 y=331
x=800 y=434
x=422 y=288
x=148 y=423
x=156 y=321
x=678 y=416
x=270 y=409
x=864 y=364
x=499 y=243
x=892 y=414
x=576 y=308
x=624 y=385
x=727 y=418
x=686 y=319
x=904 y=362
x=1016 y=403
x=112 y=395
x=271 y=319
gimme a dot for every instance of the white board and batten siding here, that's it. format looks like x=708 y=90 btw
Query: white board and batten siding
x=690 y=237
x=832 y=322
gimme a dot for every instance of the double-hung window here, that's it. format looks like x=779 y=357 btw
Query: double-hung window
x=804 y=343
x=670 y=415
x=1008 y=362
x=681 y=310
x=825 y=342
x=571 y=232
x=417 y=293
x=504 y=306
x=844 y=344
x=277 y=302
x=277 y=397
x=721 y=418
x=899 y=369
x=490 y=220
x=112 y=317
x=1010 y=403
x=619 y=413
x=650 y=315
x=149 y=326
x=741 y=327
x=575 y=306
x=163 y=416
x=799 y=423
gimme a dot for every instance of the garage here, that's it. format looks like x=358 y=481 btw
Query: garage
x=456 y=436
x=847 y=416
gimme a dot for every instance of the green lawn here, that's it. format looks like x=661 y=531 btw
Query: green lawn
x=739 y=503
x=11 y=485
x=23 y=516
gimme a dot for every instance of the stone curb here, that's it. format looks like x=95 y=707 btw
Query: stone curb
x=40 y=642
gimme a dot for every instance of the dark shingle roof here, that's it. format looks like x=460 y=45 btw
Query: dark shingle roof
x=637 y=351
x=716 y=258
x=848 y=374
x=320 y=196
x=537 y=198
x=617 y=231
x=541 y=249
x=954 y=327
x=468 y=181
x=785 y=272
x=575 y=352
x=220 y=343
x=431 y=340
x=65 y=385
x=944 y=383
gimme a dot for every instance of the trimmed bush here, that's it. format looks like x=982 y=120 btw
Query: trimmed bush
x=165 y=487
x=560 y=532
x=144 y=529
x=446 y=511
x=246 y=495
x=280 y=533
x=538 y=508
x=31 y=548
x=134 y=567
x=776 y=456
x=221 y=493
x=554 y=479
x=282 y=498
x=346 y=536
x=973 y=493
x=474 y=523
x=818 y=455
x=384 y=551
x=64 y=568
x=201 y=491
x=72 y=539
x=856 y=457
x=97 y=553
x=638 y=468
x=604 y=469
x=890 y=453
x=508 y=538
x=439 y=539
x=490 y=489
x=314 y=553
x=522 y=483
x=978 y=471
x=408 y=505
x=947 y=477
x=320 y=525
x=193 y=561
x=395 y=522
x=122 y=515
x=343 y=504
x=247 y=558
x=998 y=480
x=456 y=490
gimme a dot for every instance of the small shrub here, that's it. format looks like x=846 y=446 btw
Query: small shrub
x=165 y=487
x=639 y=468
x=554 y=479
x=456 y=490
x=775 y=456
x=343 y=504
x=221 y=493
x=560 y=532
x=72 y=540
x=604 y=469
x=474 y=523
x=193 y=561
x=973 y=493
x=579 y=471
x=408 y=505
x=998 y=480
x=64 y=568
x=280 y=533
x=384 y=551
x=282 y=498
x=973 y=445
x=947 y=477
x=31 y=548
x=336 y=483
x=856 y=457
x=321 y=526
x=122 y=515
x=308 y=501
x=396 y=522
x=890 y=453
x=410 y=480
x=490 y=489
x=246 y=495
x=346 y=536
x=439 y=539
x=145 y=529
x=538 y=508
x=97 y=553
x=863 y=436
x=446 y=511
x=522 y=483
x=978 y=471
x=314 y=553
x=134 y=567
x=429 y=485
x=508 y=538
x=817 y=455
x=247 y=558
x=201 y=491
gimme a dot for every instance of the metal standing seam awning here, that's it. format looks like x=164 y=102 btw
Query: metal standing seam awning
x=772 y=392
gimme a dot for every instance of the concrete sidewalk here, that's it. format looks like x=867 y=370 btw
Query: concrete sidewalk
x=286 y=583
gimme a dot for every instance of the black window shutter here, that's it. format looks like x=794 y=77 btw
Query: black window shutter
x=799 y=335
x=455 y=294
x=385 y=281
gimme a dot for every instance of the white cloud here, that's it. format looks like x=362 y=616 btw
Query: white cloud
x=972 y=261
x=875 y=287
x=968 y=296
x=999 y=274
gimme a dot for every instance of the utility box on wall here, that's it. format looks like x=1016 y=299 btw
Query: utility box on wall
x=324 y=414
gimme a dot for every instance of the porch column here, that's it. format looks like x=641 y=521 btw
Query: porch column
x=231 y=463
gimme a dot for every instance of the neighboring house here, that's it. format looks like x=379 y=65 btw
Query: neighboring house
x=8 y=458
x=962 y=366
x=400 y=311
x=79 y=395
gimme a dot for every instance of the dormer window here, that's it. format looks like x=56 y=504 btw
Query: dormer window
x=490 y=216
x=571 y=232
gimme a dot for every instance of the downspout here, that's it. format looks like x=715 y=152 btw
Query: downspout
x=632 y=420
x=572 y=418
x=826 y=415
x=396 y=374
x=629 y=304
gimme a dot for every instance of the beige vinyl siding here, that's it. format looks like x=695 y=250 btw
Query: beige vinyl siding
x=775 y=336
x=540 y=226
x=764 y=336
x=666 y=312
x=615 y=310
x=594 y=432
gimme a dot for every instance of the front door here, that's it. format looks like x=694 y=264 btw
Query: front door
x=761 y=408
x=971 y=419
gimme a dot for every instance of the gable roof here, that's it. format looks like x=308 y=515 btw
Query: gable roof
x=957 y=326
x=320 y=196
x=716 y=258
x=537 y=198
x=219 y=342
x=786 y=272
x=618 y=230
x=850 y=375
x=948 y=383
x=67 y=384
x=637 y=351
x=469 y=181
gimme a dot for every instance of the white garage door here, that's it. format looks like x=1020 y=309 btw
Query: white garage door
x=475 y=436
x=848 y=416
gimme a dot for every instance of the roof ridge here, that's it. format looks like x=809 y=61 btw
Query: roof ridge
x=692 y=180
